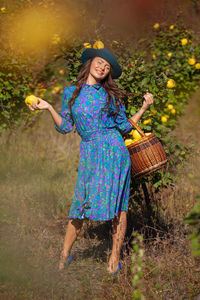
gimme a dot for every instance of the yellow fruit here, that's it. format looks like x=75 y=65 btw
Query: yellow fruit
x=87 y=45
x=170 y=106
x=42 y=92
x=128 y=142
x=56 y=39
x=154 y=56
x=184 y=42
x=136 y=135
x=163 y=119
x=31 y=100
x=98 y=45
x=191 y=61
x=131 y=133
x=197 y=66
x=173 y=111
x=147 y=121
x=156 y=26
x=61 y=71
x=55 y=90
x=148 y=133
x=170 y=83
x=115 y=42
x=3 y=9
x=169 y=54
x=153 y=112
x=171 y=27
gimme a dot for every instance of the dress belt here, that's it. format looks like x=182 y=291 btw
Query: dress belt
x=93 y=135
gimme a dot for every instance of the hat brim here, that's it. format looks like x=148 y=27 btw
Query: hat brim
x=107 y=55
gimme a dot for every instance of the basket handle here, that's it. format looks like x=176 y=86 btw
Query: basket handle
x=137 y=127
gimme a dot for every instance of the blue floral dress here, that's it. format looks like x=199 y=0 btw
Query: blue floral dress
x=103 y=181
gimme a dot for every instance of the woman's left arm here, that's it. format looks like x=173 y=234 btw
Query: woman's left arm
x=146 y=104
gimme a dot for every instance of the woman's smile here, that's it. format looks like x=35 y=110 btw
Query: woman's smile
x=99 y=72
x=99 y=69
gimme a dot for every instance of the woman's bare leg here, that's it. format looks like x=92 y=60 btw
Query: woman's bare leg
x=119 y=229
x=72 y=231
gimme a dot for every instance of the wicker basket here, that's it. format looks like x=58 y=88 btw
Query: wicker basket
x=147 y=154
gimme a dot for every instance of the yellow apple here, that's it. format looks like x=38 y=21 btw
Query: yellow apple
x=170 y=83
x=147 y=121
x=98 y=45
x=170 y=106
x=128 y=142
x=31 y=100
x=163 y=119
x=184 y=42
x=191 y=61
x=136 y=135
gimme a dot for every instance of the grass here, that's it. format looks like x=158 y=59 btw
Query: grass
x=38 y=173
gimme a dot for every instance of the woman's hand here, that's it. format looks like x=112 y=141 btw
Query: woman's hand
x=42 y=104
x=148 y=101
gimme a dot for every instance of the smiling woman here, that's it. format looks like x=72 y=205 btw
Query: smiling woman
x=99 y=70
x=94 y=105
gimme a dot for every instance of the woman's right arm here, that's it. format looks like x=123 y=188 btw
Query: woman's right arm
x=63 y=121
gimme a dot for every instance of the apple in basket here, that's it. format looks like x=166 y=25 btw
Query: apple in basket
x=136 y=136
x=148 y=133
x=129 y=141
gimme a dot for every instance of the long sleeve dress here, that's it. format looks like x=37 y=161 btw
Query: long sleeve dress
x=104 y=173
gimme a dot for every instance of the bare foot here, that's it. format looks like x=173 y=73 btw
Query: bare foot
x=113 y=264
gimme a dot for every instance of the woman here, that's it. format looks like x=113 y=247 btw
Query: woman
x=94 y=105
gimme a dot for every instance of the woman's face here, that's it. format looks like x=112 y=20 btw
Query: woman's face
x=99 y=68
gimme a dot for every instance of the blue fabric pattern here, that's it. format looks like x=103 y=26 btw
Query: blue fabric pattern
x=103 y=181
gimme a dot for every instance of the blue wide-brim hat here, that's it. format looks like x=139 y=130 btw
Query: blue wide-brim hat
x=107 y=55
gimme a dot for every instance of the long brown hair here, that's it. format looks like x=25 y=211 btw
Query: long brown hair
x=109 y=85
